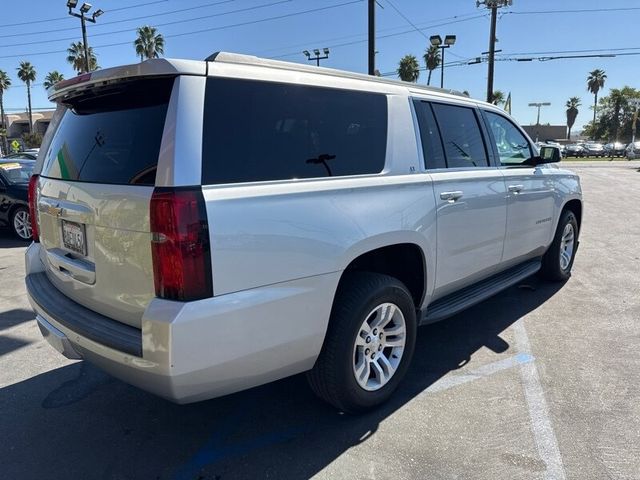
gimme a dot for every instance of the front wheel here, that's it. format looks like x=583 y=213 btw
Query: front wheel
x=369 y=343
x=558 y=260
x=21 y=223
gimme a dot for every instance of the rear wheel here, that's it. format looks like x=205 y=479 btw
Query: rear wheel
x=21 y=223
x=369 y=343
x=558 y=260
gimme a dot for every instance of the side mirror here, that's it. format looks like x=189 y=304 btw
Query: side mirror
x=549 y=154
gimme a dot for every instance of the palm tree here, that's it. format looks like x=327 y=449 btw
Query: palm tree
x=75 y=56
x=27 y=74
x=572 y=112
x=432 y=60
x=5 y=83
x=498 y=97
x=409 y=69
x=149 y=43
x=595 y=81
x=52 y=78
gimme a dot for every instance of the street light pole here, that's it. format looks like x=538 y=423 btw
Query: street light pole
x=436 y=41
x=538 y=105
x=71 y=4
x=372 y=37
x=317 y=57
x=493 y=5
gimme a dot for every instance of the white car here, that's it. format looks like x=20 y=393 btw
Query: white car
x=203 y=227
x=632 y=151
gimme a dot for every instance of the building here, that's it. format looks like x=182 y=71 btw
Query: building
x=546 y=132
x=18 y=123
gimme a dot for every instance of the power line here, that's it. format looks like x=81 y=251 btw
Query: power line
x=46 y=20
x=407 y=20
x=222 y=27
x=584 y=10
x=128 y=30
x=142 y=17
x=355 y=42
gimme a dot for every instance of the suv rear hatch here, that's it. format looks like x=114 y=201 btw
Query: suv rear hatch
x=97 y=179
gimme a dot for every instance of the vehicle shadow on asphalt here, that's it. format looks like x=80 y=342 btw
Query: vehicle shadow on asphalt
x=8 y=240
x=77 y=422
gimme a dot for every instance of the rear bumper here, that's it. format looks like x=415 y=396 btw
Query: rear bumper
x=196 y=350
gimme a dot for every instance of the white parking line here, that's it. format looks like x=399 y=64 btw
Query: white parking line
x=545 y=438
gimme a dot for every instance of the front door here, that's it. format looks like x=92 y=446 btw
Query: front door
x=469 y=193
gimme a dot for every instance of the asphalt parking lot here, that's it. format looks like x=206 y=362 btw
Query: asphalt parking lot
x=539 y=382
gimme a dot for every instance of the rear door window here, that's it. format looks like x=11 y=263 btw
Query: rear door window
x=111 y=134
x=461 y=136
x=259 y=131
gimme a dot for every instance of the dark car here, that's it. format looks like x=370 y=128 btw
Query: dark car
x=593 y=149
x=615 y=149
x=575 y=150
x=14 y=207
x=21 y=156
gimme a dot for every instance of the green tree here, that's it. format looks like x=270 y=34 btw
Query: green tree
x=615 y=116
x=431 y=60
x=52 y=78
x=595 y=81
x=27 y=74
x=572 y=112
x=149 y=44
x=408 y=69
x=498 y=97
x=5 y=83
x=75 y=56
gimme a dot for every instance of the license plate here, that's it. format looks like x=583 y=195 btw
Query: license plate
x=73 y=237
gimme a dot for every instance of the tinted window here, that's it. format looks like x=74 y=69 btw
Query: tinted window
x=461 y=136
x=255 y=131
x=513 y=147
x=431 y=143
x=111 y=135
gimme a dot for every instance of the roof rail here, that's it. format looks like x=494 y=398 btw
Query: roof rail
x=237 y=58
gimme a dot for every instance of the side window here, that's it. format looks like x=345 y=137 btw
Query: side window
x=258 y=131
x=429 y=135
x=461 y=136
x=513 y=148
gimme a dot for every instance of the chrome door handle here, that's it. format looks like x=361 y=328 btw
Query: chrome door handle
x=451 y=196
x=515 y=188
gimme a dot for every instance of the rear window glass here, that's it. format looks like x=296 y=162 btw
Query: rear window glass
x=16 y=172
x=257 y=131
x=111 y=134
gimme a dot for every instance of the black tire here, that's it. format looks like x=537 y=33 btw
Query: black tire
x=551 y=268
x=14 y=214
x=332 y=377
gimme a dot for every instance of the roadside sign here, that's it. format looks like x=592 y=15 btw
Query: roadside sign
x=15 y=146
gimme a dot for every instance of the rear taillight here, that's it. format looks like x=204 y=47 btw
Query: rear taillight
x=33 y=206
x=180 y=244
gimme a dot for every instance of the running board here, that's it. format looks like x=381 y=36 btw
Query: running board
x=468 y=296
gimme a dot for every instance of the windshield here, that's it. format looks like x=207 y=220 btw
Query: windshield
x=17 y=172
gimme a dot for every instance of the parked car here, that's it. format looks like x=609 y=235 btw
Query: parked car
x=575 y=150
x=614 y=149
x=22 y=156
x=593 y=149
x=240 y=220
x=14 y=207
x=632 y=151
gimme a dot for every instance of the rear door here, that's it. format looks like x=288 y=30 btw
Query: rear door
x=96 y=181
x=530 y=199
x=469 y=193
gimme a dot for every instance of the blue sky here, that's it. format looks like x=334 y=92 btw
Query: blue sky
x=526 y=27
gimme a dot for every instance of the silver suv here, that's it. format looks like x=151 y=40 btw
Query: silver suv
x=203 y=227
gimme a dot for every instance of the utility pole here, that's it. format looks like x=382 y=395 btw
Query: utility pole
x=372 y=37
x=493 y=5
x=71 y=4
